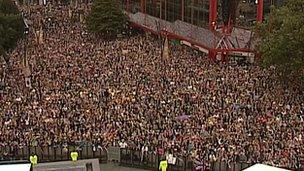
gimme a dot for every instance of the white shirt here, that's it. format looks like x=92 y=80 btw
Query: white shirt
x=144 y=149
x=123 y=144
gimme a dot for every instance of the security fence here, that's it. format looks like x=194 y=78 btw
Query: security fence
x=151 y=161
x=125 y=157
x=52 y=153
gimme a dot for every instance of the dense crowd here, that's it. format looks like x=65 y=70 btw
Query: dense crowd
x=123 y=93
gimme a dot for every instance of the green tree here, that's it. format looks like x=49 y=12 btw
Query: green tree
x=106 y=19
x=11 y=29
x=282 y=39
x=11 y=26
x=8 y=7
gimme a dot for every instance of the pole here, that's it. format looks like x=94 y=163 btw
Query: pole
x=260 y=8
x=128 y=6
x=160 y=9
x=145 y=6
x=212 y=14
x=270 y=16
x=183 y=10
x=142 y=6
x=192 y=5
x=24 y=55
x=165 y=9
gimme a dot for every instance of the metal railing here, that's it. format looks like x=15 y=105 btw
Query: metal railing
x=150 y=161
x=51 y=153
x=131 y=158
x=127 y=157
x=234 y=166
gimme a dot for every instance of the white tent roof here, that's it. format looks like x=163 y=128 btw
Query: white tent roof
x=15 y=167
x=263 y=167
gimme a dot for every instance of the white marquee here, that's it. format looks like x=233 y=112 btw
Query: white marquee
x=263 y=167
x=15 y=167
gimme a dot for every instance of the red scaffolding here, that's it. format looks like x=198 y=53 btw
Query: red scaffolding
x=219 y=41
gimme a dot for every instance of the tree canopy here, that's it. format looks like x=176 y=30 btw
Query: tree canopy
x=282 y=39
x=11 y=25
x=8 y=7
x=106 y=19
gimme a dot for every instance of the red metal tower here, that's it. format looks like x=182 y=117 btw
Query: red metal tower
x=260 y=11
x=213 y=13
x=229 y=40
x=226 y=30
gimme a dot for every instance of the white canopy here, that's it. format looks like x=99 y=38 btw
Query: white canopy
x=263 y=167
x=15 y=167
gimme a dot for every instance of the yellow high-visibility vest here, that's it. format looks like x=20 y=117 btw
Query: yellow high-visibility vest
x=74 y=156
x=34 y=159
x=163 y=165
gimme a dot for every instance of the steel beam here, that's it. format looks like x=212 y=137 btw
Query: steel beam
x=260 y=9
x=212 y=14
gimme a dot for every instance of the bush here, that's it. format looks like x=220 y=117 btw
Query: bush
x=106 y=19
x=11 y=25
x=282 y=40
x=8 y=7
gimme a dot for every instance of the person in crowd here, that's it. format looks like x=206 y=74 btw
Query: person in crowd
x=109 y=93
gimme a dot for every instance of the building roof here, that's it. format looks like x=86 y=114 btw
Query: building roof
x=240 y=38
x=263 y=167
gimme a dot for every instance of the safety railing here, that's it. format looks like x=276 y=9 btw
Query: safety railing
x=52 y=153
x=150 y=161
x=233 y=166
x=127 y=157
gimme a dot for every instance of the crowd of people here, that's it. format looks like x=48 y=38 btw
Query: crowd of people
x=124 y=93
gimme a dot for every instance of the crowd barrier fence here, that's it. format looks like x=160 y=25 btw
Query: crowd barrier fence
x=150 y=161
x=125 y=157
x=51 y=153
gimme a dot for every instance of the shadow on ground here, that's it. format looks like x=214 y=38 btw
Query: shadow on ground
x=116 y=167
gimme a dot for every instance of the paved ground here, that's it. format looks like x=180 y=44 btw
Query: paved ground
x=115 y=167
x=80 y=165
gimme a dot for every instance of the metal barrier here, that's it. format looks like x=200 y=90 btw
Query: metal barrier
x=150 y=161
x=136 y=159
x=127 y=157
x=224 y=166
x=51 y=153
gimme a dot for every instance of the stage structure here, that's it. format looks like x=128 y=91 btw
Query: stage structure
x=207 y=25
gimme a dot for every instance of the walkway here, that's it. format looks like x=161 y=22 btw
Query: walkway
x=116 y=167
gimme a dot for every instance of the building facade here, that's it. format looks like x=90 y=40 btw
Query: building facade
x=196 y=12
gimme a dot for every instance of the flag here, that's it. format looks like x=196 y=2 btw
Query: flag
x=41 y=36
x=70 y=13
x=81 y=18
x=166 y=49
x=26 y=66
x=183 y=117
x=37 y=34
x=24 y=59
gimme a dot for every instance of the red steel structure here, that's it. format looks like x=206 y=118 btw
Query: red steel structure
x=212 y=14
x=201 y=13
x=260 y=11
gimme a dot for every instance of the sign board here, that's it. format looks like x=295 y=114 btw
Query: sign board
x=114 y=154
x=171 y=159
